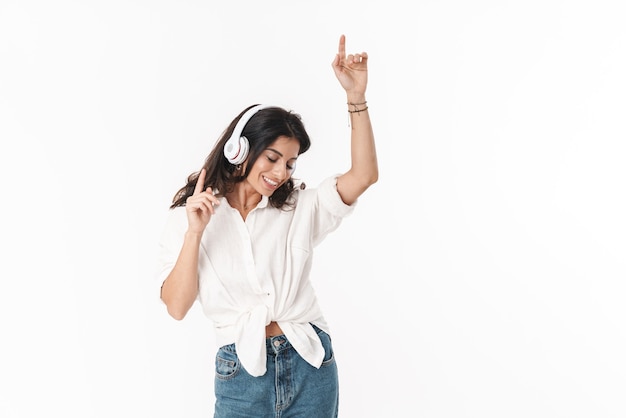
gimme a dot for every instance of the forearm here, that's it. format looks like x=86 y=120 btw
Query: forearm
x=362 y=145
x=180 y=289
x=364 y=162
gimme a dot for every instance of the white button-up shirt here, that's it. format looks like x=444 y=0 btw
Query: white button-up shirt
x=254 y=272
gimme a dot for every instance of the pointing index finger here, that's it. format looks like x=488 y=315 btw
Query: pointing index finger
x=342 y=46
x=200 y=183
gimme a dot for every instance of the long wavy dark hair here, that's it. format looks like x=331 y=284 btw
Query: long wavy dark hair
x=262 y=129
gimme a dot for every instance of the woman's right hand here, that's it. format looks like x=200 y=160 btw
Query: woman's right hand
x=200 y=206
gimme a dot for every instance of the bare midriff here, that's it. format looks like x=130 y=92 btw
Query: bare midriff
x=272 y=330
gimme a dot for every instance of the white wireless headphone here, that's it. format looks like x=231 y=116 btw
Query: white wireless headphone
x=237 y=147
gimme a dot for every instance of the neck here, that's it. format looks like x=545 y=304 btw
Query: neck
x=244 y=200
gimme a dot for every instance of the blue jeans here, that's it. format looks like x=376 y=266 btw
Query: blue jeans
x=290 y=388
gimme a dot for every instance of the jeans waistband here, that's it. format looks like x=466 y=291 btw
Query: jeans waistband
x=278 y=343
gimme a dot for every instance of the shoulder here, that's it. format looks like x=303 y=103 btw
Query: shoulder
x=324 y=196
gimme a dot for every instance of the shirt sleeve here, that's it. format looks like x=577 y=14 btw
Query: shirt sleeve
x=329 y=209
x=330 y=199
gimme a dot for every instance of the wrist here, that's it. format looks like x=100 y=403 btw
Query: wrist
x=193 y=235
x=357 y=106
x=355 y=98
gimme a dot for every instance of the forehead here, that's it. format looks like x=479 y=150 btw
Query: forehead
x=287 y=146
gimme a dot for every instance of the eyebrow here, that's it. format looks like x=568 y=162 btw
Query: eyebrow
x=280 y=153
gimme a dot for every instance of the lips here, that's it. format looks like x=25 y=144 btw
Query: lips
x=271 y=183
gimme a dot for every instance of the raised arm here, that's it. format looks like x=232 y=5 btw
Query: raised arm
x=180 y=289
x=351 y=71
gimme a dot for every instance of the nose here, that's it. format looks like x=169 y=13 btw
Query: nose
x=280 y=171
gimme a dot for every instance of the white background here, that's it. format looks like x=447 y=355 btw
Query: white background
x=482 y=276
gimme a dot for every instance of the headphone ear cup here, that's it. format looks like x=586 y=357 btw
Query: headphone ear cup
x=236 y=152
x=244 y=146
x=237 y=146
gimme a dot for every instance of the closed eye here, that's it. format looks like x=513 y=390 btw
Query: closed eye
x=274 y=160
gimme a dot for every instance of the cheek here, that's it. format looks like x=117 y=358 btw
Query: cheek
x=260 y=166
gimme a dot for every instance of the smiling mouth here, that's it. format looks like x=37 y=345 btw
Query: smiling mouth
x=270 y=182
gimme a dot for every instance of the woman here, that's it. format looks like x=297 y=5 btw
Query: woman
x=240 y=239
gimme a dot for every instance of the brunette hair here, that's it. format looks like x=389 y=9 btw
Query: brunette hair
x=262 y=129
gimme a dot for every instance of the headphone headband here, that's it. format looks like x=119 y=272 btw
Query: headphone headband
x=241 y=124
x=236 y=147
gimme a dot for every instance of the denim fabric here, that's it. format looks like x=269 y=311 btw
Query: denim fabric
x=290 y=388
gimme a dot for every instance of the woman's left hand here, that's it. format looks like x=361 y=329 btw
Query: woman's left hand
x=350 y=70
